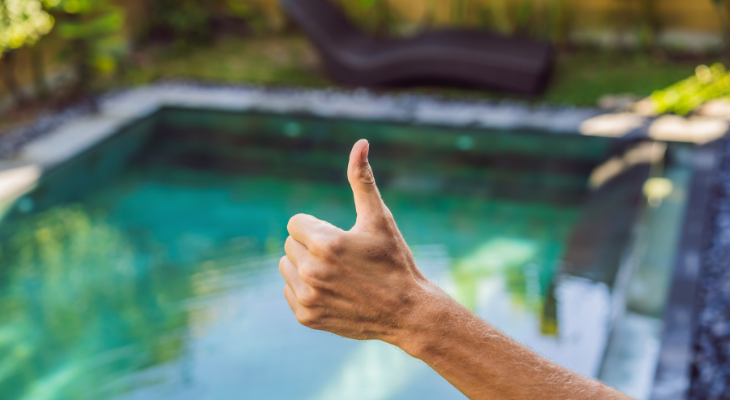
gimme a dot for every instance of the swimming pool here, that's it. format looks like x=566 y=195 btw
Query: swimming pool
x=146 y=267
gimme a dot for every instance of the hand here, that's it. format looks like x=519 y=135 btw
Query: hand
x=362 y=283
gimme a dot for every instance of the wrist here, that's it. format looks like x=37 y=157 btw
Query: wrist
x=426 y=322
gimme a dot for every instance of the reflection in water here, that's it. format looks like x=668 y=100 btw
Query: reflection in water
x=164 y=284
x=74 y=289
x=502 y=256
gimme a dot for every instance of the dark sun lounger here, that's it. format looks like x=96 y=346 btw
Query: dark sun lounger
x=451 y=57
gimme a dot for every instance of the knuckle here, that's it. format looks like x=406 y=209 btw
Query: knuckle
x=367 y=177
x=309 y=298
x=305 y=271
x=334 y=245
x=302 y=317
x=317 y=247
x=308 y=318
x=313 y=276
x=327 y=247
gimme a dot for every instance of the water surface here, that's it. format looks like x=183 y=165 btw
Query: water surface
x=163 y=283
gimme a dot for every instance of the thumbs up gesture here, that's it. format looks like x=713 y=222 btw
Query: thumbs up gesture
x=362 y=283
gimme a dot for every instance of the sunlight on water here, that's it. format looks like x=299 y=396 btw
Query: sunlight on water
x=502 y=256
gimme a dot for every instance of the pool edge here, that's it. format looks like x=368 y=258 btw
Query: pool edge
x=672 y=379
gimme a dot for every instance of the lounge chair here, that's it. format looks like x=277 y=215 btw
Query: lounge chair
x=454 y=57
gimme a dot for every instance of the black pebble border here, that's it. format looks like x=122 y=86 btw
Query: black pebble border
x=711 y=369
x=12 y=140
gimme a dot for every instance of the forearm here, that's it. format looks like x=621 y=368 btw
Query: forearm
x=364 y=284
x=484 y=363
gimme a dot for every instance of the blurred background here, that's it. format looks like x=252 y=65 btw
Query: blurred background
x=646 y=57
x=58 y=51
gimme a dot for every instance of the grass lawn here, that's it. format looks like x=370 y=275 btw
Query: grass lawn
x=580 y=77
x=284 y=61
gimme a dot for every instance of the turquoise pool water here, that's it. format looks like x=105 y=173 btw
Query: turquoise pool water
x=159 y=279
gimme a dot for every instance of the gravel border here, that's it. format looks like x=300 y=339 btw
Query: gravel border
x=346 y=103
x=711 y=369
x=378 y=106
x=14 y=139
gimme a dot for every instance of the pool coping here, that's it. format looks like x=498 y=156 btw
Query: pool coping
x=67 y=137
x=672 y=379
x=71 y=136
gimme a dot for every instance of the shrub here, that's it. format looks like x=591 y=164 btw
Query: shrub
x=94 y=31
x=683 y=97
x=22 y=23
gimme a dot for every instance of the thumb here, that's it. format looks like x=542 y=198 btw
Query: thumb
x=367 y=197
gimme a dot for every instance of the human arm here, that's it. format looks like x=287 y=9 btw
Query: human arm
x=364 y=284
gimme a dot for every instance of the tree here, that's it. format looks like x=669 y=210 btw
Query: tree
x=22 y=23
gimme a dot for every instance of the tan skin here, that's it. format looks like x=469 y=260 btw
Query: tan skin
x=364 y=284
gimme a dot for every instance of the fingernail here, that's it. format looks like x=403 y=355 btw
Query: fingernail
x=365 y=152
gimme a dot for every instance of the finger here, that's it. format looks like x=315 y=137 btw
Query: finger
x=303 y=228
x=367 y=197
x=292 y=299
x=296 y=251
x=291 y=275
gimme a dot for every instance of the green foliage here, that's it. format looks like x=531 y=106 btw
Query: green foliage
x=580 y=78
x=191 y=23
x=375 y=16
x=262 y=17
x=723 y=10
x=255 y=18
x=22 y=23
x=549 y=19
x=185 y=22
x=104 y=25
x=267 y=60
x=94 y=29
x=683 y=97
